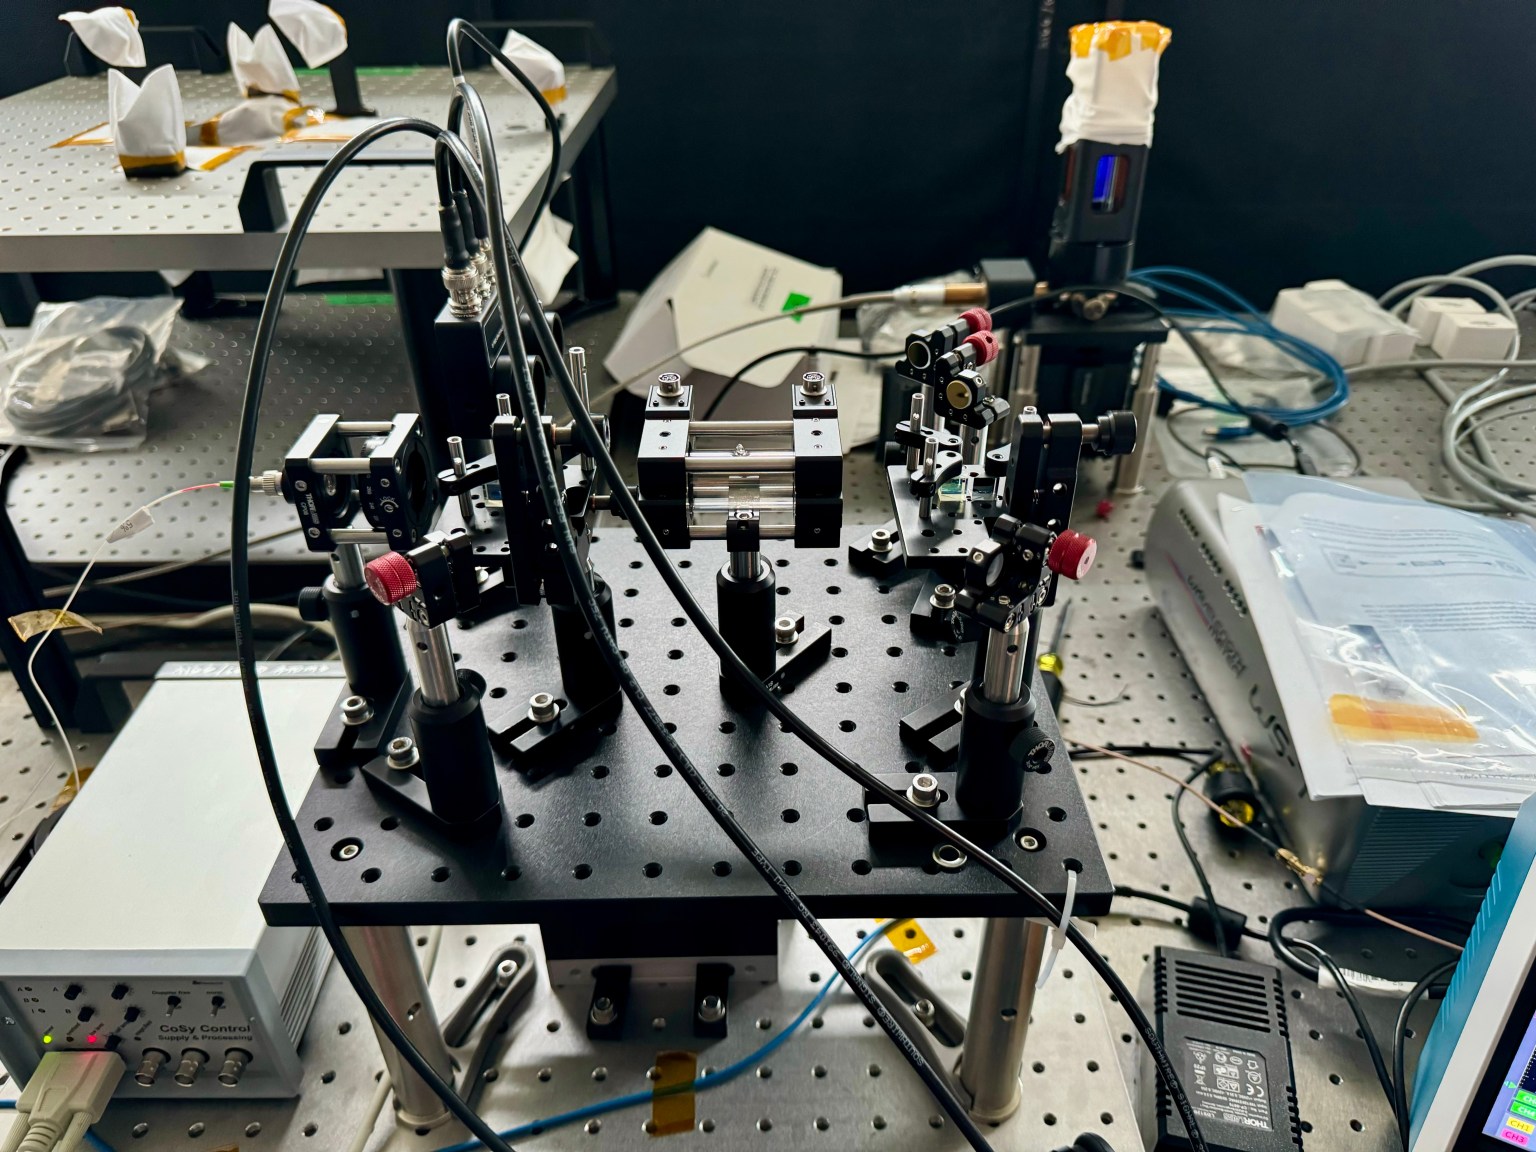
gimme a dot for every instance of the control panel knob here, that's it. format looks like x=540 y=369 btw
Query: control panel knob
x=73 y=992
x=1071 y=554
x=390 y=577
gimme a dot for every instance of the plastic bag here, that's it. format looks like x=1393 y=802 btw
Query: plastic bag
x=82 y=381
x=1416 y=627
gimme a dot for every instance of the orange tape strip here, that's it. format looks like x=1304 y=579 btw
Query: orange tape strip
x=672 y=1112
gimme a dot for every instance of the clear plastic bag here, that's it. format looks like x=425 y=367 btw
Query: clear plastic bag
x=1416 y=627
x=82 y=380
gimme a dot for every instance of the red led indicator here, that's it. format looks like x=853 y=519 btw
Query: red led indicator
x=90 y=1039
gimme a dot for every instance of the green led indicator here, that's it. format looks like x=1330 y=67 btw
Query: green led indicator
x=47 y=1037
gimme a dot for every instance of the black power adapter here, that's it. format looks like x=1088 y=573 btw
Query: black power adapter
x=1223 y=1024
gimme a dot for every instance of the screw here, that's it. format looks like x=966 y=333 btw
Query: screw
x=924 y=790
x=880 y=540
x=604 y=1011
x=402 y=752
x=348 y=851
x=669 y=384
x=978 y=557
x=924 y=1010
x=785 y=631
x=943 y=596
x=813 y=383
x=313 y=533
x=1028 y=841
x=301 y=485
x=711 y=1009
x=504 y=972
x=356 y=710
x=542 y=708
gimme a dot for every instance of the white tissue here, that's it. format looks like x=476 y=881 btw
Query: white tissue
x=109 y=34
x=317 y=31
x=255 y=121
x=260 y=65
x=538 y=63
x=147 y=126
x=1113 y=69
x=548 y=256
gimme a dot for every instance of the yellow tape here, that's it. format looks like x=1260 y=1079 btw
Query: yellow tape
x=35 y=623
x=85 y=137
x=554 y=95
x=176 y=161
x=1117 y=38
x=1388 y=720
x=222 y=158
x=915 y=944
x=672 y=1094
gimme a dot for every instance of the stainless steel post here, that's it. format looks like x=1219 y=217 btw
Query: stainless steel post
x=1006 y=971
x=973 y=444
x=456 y=455
x=576 y=360
x=1002 y=675
x=1022 y=392
x=347 y=567
x=436 y=675
x=388 y=960
x=744 y=565
x=1144 y=405
x=915 y=422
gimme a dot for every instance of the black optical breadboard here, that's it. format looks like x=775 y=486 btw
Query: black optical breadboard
x=1223 y=1024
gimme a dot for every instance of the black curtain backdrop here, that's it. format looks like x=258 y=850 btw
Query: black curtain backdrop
x=892 y=139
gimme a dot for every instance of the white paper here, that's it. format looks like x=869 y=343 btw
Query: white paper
x=260 y=65
x=316 y=30
x=536 y=62
x=1113 y=69
x=549 y=256
x=146 y=122
x=109 y=34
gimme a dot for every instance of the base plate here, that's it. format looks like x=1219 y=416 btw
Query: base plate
x=616 y=836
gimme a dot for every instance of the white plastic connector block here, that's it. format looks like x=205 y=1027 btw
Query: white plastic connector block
x=1425 y=314
x=1344 y=322
x=64 y=1097
x=1466 y=337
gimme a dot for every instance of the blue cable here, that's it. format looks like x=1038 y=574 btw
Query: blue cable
x=701 y=1084
x=1224 y=310
x=91 y=1138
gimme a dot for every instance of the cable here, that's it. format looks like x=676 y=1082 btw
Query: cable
x=506 y=258
x=240 y=596
x=702 y=1083
x=1178 y=905
x=1400 y=1043
x=1367 y=1034
x=124 y=528
x=804 y=350
x=1194 y=860
x=463 y=29
x=1306 y=871
x=138 y=574
x=1349 y=917
x=734 y=667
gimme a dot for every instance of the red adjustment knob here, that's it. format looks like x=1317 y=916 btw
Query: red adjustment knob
x=979 y=319
x=1071 y=555
x=390 y=578
x=1103 y=508
x=985 y=344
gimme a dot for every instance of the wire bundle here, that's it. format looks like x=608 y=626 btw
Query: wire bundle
x=1207 y=305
